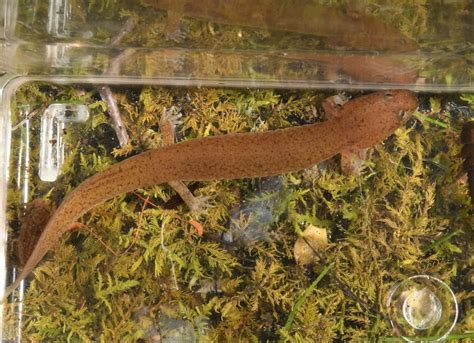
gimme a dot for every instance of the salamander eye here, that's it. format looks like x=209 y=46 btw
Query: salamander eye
x=388 y=94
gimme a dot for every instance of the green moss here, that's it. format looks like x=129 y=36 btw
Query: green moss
x=138 y=268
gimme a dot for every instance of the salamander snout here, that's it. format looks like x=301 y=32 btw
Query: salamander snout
x=403 y=100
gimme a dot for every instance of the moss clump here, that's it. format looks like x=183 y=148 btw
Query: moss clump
x=138 y=269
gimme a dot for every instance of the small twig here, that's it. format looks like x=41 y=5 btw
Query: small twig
x=106 y=93
x=106 y=246
x=115 y=64
x=152 y=204
x=97 y=237
x=114 y=114
x=139 y=226
x=29 y=27
x=83 y=304
x=28 y=117
x=127 y=28
x=162 y=244
x=117 y=61
x=169 y=254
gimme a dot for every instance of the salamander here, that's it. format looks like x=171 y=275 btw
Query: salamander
x=350 y=29
x=467 y=152
x=358 y=124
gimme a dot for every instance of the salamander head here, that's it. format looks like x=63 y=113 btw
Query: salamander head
x=376 y=116
x=401 y=102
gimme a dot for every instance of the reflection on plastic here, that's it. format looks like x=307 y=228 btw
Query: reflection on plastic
x=59 y=11
x=243 y=43
x=62 y=56
x=59 y=18
x=53 y=123
x=422 y=308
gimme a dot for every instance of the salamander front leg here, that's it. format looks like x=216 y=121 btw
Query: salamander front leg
x=333 y=106
x=172 y=28
x=170 y=119
x=353 y=157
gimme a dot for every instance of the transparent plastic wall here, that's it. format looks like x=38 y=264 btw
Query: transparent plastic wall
x=325 y=44
x=291 y=43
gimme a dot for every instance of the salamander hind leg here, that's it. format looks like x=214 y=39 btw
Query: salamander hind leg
x=352 y=160
x=172 y=29
x=197 y=204
x=467 y=152
x=170 y=119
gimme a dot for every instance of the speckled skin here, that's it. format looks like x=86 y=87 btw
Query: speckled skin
x=350 y=29
x=467 y=152
x=33 y=222
x=360 y=123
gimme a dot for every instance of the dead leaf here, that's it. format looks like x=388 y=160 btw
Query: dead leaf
x=198 y=226
x=317 y=237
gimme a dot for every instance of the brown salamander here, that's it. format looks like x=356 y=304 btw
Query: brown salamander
x=358 y=124
x=351 y=30
x=33 y=222
x=467 y=152
x=359 y=68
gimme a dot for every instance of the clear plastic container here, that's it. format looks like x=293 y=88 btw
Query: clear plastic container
x=298 y=44
x=290 y=44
